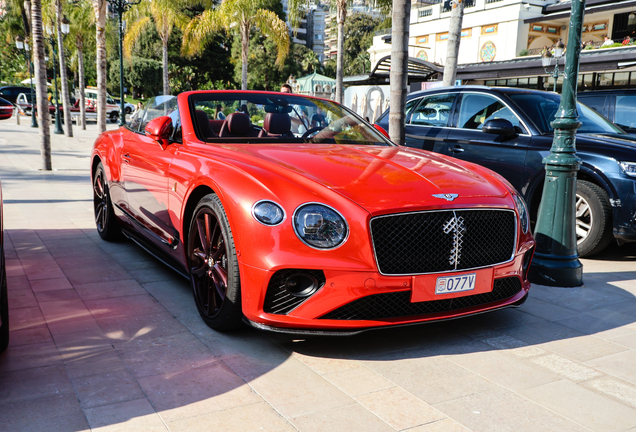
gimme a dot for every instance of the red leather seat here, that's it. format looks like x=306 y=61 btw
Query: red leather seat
x=276 y=125
x=237 y=124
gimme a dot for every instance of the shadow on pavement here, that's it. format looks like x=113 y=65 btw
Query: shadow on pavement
x=109 y=334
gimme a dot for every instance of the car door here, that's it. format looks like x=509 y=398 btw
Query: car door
x=426 y=124
x=145 y=166
x=467 y=141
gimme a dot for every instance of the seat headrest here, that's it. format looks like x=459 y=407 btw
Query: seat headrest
x=277 y=124
x=238 y=123
x=203 y=123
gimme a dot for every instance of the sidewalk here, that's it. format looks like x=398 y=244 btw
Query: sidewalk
x=106 y=338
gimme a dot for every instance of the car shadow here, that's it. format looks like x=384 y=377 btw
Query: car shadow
x=109 y=331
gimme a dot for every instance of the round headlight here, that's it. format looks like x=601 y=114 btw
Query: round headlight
x=268 y=213
x=523 y=213
x=320 y=226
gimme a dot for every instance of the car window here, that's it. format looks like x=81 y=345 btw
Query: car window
x=433 y=110
x=110 y=100
x=625 y=111
x=409 y=108
x=477 y=109
x=597 y=103
x=157 y=107
x=541 y=108
x=253 y=117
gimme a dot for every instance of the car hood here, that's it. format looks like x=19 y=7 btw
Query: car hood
x=381 y=178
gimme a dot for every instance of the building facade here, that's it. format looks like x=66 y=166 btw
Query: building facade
x=502 y=40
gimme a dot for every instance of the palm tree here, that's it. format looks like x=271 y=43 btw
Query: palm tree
x=454 y=38
x=40 y=83
x=99 y=7
x=311 y=62
x=66 y=103
x=165 y=15
x=399 y=68
x=83 y=22
x=244 y=15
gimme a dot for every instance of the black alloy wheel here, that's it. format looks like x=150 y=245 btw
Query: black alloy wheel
x=105 y=221
x=4 y=311
x=214 y=272
x=114 y=116
x=593 y=218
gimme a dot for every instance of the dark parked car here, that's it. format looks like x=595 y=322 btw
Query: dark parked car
x=458 y=121
x=11 y=93
x=4 y=307
x=617 y=105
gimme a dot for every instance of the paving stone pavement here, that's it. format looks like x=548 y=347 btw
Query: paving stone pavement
x=105 y=338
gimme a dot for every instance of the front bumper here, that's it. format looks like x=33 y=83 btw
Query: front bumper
x=343 y=291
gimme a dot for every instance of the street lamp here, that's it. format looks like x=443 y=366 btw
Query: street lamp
x=121 y=6
x=556 y=259
x=50 y=32
x=546 y=59
x=23 y=45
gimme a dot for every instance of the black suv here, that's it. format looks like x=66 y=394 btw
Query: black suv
x=617 y=105
x=458 y=121
x=11 y=93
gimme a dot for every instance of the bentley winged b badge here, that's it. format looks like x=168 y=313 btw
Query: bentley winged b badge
x=447 y=197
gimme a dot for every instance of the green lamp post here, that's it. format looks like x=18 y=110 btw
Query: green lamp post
x=50 y=31
x=546 y=60
x=23 y=45
x=121 y=6
x=556 y=261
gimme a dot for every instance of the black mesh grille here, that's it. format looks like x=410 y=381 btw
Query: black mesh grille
x=430 y=242
x=398 y=304
x=278 y=300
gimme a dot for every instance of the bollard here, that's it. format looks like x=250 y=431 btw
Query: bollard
x=17 y=116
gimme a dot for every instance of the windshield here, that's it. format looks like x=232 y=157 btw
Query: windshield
x=275 y=118
x=542 y=107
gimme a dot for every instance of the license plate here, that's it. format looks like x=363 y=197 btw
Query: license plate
x=452 y=284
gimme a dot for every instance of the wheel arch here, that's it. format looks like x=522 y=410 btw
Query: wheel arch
x=586 y=173
x=191 y=203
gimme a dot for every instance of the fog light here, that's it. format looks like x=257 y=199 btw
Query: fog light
x=301 y=285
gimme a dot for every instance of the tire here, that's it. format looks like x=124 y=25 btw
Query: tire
x=128 y=110
x=114 y=116
x=4 y=310
x=593 y=218
x=214 y=272
x=105 y=220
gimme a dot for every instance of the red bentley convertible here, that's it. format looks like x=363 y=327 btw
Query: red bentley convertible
x=329 y=229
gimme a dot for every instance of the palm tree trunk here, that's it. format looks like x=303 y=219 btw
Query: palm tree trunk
x=80 y=66
x=454 y=37
x=100 y=26
x=40 y=84
x=166 y=83
x=342 y=16
x=66 y=103
x=245 y=49
x=399 y=68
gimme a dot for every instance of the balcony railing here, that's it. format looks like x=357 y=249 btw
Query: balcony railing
x=492 y=1
x=424 y=13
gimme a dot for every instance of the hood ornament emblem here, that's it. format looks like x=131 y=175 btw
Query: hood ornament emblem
x=447 y=197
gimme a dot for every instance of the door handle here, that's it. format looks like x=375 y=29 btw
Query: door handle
x=456 y=149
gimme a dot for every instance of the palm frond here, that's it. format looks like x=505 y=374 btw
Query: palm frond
x=275 y=29
x=133 y=34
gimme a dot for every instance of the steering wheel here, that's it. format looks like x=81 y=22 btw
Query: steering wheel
x=311 y=132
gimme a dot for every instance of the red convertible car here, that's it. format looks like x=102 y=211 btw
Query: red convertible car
x=325 y=230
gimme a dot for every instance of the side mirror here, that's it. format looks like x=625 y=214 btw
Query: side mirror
x=159 y=129
x=499 y=126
